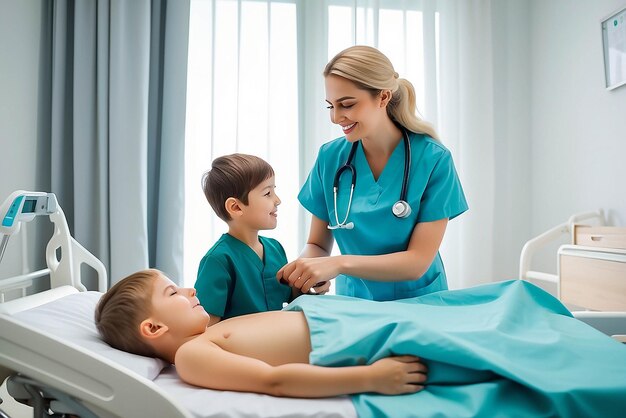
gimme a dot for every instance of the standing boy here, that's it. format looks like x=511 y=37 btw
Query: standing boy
x=237 y=275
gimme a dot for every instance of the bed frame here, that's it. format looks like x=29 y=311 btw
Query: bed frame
x=57 y=379
x=612 y=323
x=49 y=380
x=53 y=374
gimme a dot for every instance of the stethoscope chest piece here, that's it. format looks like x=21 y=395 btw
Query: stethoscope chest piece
x=401 y=209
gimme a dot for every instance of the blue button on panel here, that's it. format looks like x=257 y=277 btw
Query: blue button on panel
x=12 y=213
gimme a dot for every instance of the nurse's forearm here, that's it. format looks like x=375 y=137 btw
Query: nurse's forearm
x=410 y=264
x=313 y=250
x=393 y=267
x=320 y=240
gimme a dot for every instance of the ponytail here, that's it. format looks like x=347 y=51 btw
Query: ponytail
x=402 y=109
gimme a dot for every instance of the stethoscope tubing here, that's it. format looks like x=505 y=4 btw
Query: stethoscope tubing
x=407 y=165
x=348 y=165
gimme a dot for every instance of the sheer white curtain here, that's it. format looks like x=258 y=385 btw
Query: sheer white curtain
x=467 y=128
x=484 y=118
x=242 y=96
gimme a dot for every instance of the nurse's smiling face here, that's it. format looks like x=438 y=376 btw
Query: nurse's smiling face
x=359 y=114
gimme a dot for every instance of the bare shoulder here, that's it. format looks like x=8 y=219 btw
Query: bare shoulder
x=195 y=357
x=202 y=362
x=199 y=346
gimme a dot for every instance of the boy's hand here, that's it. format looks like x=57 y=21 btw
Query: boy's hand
x=398 y=375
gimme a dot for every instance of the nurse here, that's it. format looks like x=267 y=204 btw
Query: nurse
x=384 y=191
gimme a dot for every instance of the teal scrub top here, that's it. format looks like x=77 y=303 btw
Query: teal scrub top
x=232 y=279
x=433 y=191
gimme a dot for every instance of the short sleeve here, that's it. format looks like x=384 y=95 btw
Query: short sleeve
x=311 y=195
x=213 y=284
x=443 y=196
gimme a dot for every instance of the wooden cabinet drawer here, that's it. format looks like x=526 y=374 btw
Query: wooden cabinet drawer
x=588 y=280
x=599 y=236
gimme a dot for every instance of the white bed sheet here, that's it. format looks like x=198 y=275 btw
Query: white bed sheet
x=72 y=318
x=206 y=403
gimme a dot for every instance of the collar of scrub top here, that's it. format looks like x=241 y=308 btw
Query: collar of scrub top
x=400 y=209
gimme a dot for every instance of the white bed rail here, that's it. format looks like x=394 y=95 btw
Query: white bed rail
x=64 y=255
x=103 y=386
x=552 y=234
x=610 y=323
x=73 y=255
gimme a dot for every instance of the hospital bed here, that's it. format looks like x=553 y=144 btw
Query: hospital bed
x=601 y=263
x=54 y=360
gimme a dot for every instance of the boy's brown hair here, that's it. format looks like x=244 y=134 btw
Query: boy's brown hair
x=122 y=308
x=233 y=175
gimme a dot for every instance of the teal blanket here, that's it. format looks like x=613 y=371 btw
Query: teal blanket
x=506 y=349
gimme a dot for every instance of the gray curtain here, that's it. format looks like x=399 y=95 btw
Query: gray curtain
x=116 y=112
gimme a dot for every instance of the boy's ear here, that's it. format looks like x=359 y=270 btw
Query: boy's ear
x=233 y=207
x=151 y=329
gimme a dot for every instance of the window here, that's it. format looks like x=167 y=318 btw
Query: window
x=242 y=96
x=398 y=28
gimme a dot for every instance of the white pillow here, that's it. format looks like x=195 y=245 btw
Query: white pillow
x=72 y=319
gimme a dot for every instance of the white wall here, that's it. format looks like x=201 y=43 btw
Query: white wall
x=511 y=97
x=578 y=129
x=20 y=168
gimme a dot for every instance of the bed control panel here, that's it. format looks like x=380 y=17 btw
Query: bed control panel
x=22 y=206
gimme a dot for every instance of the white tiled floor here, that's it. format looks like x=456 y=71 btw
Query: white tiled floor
x=12 y=408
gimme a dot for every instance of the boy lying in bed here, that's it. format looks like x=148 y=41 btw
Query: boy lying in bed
x=500 y=349
x=147 y=314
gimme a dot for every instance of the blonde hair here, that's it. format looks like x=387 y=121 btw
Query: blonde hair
x=121 y=310
x=371 y=70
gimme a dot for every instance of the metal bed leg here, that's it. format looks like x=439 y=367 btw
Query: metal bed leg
x=39 y=405
x=38 y=390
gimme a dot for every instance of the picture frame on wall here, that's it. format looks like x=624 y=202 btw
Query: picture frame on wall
x=614 y=46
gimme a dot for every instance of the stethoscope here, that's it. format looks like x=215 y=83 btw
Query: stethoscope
x=400 y=209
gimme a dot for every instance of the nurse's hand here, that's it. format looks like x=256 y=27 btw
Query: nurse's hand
x=305 y=273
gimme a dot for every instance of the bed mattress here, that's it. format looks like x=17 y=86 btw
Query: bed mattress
x=71 y=319
x=207 y=403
